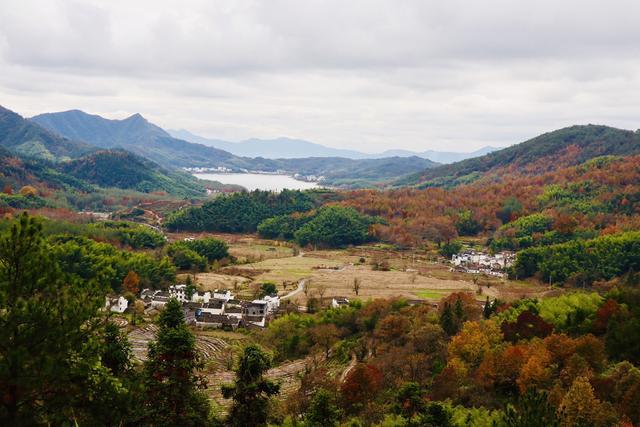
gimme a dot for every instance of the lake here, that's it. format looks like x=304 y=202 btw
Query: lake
x=257 y=181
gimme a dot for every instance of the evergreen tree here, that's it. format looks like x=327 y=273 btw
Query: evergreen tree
x=251 y=392
x=173 y=389
x=49 y=352
x=447 y=321
x=533 y=410
x=116 y=353
x=323 y=411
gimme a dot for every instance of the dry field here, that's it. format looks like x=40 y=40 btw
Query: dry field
x=414 y=275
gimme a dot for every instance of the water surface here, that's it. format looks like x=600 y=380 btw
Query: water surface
x=257 y=181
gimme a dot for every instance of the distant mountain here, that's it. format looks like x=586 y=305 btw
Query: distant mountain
x=564 y=147
x=278 y=148
x=137 y=135
x=287 y=148
x=31 y=140
x=444 y=157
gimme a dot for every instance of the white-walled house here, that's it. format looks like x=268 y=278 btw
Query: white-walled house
x=338 y=302
x=116 y=303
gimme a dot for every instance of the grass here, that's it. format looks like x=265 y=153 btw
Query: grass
x=430 y=294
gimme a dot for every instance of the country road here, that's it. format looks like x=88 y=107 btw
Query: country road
x=296 y=291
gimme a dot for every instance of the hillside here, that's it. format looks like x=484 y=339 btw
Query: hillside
x=141 y=137
x=31 y=140
x=122 y=169
x=137 y=135
x=565 y=147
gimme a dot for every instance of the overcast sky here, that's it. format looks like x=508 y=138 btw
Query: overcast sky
x=368 y=75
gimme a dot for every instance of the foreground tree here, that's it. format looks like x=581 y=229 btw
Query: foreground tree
x=172 y=387
x=50 y=368
x=251 y=392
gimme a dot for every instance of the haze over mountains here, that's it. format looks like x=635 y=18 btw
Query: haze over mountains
x=289 y=148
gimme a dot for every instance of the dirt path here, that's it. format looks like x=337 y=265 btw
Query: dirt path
x=296 y=291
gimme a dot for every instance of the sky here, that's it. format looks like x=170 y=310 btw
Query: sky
x=368 y=75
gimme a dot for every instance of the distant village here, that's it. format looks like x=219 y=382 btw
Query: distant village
x=474 y=262
x=217 y=309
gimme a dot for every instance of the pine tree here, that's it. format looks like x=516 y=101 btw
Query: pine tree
x=447 y=321
x=173 y=388
x=251 y=392
x=49 y=353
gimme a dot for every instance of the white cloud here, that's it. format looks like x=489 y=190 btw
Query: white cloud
x=367 y=74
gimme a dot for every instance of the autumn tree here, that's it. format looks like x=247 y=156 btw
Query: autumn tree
x=580 y=407
x=360 y=386
x=131 y=282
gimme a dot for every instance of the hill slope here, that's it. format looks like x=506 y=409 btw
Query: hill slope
x=565 y=147
x=137 y=135
x=122 y=169
x=31 y=140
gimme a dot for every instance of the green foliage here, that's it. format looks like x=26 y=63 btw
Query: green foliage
x=532 y=410
x=90 y=260
x=283 y=226
x=251 y=392
x=123 y=169
x=50 y=357
x=466 y=224
x=240 y=212
x=573 y=312
x=323 y=410
x=451 y=248
x=18 y=201
x=335 y=226
x=209 y=248
x=172 y=388
x=582 y=261
x=135 y=235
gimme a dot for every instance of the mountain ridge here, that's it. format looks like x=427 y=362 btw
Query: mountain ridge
x=290 y=148
x=562 y=147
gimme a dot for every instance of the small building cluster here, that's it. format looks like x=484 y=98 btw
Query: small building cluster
x=483 y=263
x=219 y=309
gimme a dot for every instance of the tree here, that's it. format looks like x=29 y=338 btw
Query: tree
x=324 y=336
x=28 y=191
x=172 y=387
x=116 y=354
x=579 y=407
x=251 y=392
x=532 y=410
x=131 y=282
x=361 y=386
x=323 y=411
x=49 y=351
x=356 y=285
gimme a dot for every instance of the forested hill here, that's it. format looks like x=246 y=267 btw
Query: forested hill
x=122 y=169
x=137 y=135
x=31 y=140
x=565 y=147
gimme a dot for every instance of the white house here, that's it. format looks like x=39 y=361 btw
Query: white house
x=223 y=294
x=116 y=303
x=338 y=302
x=203 y=297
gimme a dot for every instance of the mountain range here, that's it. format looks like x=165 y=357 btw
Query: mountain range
x=288 y=148
x=141 y=137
